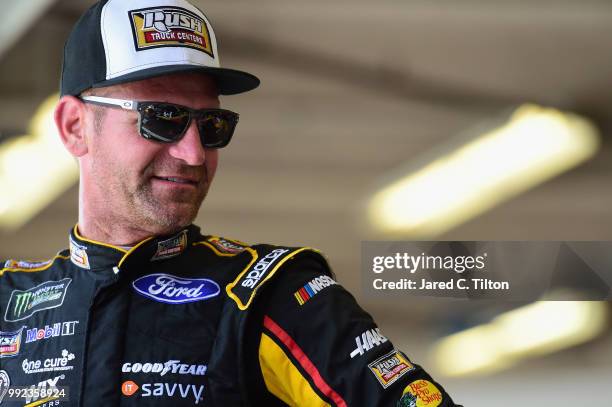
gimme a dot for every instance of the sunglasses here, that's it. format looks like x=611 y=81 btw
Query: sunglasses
x=168 y=122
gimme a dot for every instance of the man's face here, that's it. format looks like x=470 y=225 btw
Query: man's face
x=147 y=185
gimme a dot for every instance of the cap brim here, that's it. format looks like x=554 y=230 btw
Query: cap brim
x=229 y=81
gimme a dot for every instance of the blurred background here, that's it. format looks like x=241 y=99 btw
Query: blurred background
x=379 y=121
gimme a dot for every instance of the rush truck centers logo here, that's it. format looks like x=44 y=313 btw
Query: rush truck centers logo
x=169 y=27
x=390 y=367
x=10 y=343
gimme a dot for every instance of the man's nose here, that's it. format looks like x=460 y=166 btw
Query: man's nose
x=189 y=149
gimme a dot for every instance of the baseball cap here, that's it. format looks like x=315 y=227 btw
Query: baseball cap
x=118 y=41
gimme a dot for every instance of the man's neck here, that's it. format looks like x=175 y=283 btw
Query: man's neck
x=111 y=233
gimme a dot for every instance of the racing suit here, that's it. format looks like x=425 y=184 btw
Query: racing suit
x=189 y=320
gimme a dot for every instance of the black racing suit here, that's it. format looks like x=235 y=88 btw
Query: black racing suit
x=194 y=320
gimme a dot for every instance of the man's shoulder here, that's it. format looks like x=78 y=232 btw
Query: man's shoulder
x=222 y=246
x=229 y=247
x=32 y=266
x=262 y=263
x=23 y=273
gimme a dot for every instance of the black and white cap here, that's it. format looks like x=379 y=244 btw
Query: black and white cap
x=118 y=41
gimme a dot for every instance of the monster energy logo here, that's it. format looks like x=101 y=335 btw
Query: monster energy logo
x=47 y=295
x=21 y=303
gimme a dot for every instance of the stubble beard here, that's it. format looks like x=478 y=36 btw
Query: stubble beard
x=140 y=208
x=165 y=216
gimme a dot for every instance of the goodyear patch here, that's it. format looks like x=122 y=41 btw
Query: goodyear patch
x=156 y=27
x=420 y=393
x=227 y=246
x=390 y=367
x=311 y=288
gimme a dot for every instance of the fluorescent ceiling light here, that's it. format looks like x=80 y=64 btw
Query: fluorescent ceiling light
x=467 y=179
x=17 y=18
x=537 y=329
x=34 y=169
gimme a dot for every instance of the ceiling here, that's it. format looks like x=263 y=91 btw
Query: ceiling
x=350 y=91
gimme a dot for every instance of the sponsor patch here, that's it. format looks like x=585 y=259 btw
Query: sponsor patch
x=420 y=393
x=48 y=386
x=24 y=304
x=169 y=367
x=171 y=247
x=313 y=287
x=147 y=390
x=390 y=367
x=51 y=331
x=226 y=246
x=128 y=388
x=78 y=255
x=10 y=342
x=243 y=289
x=367 y=340
x=57 y=364
x=170 y=289
x=26 y=265
x=407 y=400
x=5 y=383
x=257 y=272
x=156 y=27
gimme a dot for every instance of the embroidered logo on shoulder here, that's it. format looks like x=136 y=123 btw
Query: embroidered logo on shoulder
x=78 y=255
x=420 y=393
x=171 y=247
x=25 y=265
x=243 y=289
x=390 y=367
x=312 y=288
x=175 y=290
x=261 y=267
x=24 y=304
x=227 y=246
x=169 y=27
x=10 y=342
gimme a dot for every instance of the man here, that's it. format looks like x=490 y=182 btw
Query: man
x=145 y=310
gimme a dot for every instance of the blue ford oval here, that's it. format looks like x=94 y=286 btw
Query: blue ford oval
x=171 y=289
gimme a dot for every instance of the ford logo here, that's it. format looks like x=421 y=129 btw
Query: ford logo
x=175 y=290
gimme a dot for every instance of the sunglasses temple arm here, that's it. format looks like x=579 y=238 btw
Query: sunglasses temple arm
x=102 y=101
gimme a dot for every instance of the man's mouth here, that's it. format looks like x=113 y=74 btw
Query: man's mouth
x=178 y=180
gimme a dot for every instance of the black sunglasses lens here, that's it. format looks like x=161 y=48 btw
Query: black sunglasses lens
x=163 y=122
x=217 y=128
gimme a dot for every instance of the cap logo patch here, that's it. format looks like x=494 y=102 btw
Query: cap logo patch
x=169 y=27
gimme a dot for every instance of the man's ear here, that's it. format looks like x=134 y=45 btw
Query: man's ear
x=70 y=121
